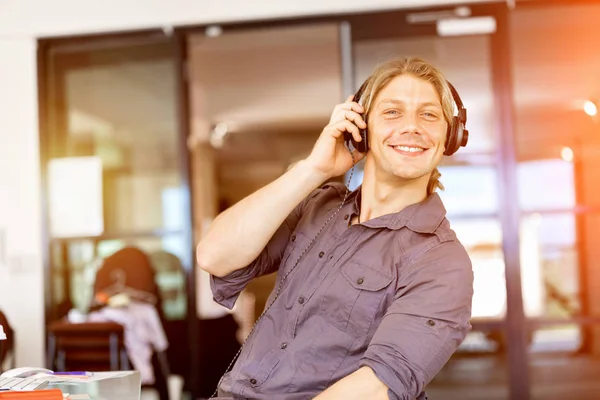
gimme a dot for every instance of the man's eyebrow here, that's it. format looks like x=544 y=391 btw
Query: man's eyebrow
x=396 y=101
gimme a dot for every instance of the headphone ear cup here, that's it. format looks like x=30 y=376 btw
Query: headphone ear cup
x=451 y=137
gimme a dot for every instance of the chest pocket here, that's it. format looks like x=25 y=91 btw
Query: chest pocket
x=354 y=297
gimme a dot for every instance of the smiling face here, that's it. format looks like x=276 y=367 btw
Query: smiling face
x=407 y=130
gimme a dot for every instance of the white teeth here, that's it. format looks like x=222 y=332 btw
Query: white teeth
x=409 y=149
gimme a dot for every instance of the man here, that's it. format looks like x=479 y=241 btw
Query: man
x=373 y=295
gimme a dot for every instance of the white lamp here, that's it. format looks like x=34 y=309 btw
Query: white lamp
x=466 y=26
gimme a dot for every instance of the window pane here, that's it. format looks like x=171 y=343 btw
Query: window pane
x=546 y=184
x=550 y=266
x=118 y=108
x=483 y=240
x=469 y=189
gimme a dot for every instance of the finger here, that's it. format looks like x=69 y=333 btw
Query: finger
x=356 y=118
x=336 y=129
x=356 y=133
x=357 y=155
x=352 y=105
x=338 y=111
x=348 y=113
x=350 y=98
x=347 y=126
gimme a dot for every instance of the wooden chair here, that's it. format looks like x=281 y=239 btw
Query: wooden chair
x=97 y=346
x=86 y=347
x=7 y=347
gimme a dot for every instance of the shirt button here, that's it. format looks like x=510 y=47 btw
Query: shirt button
x=301 y=299
x=346 y=217
x=283 y=346
x=431 y=323
x=360 y=281
x=253 y=381
x=293 y=238
x=321 y=254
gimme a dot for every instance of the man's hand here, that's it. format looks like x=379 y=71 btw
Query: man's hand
x=362 y=384
x=330 y=156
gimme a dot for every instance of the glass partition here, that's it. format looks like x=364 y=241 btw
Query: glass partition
x=259 y=100
x=471 y=199
x=114 y=167
x=558 y=143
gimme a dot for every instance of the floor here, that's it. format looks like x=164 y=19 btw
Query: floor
x=552 y=377
x=486 y=378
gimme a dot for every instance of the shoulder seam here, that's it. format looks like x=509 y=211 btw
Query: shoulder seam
x=426 y=250
x=335 y=186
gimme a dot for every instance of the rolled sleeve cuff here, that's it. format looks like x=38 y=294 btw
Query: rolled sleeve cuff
x=397 y=390
x=227 y=289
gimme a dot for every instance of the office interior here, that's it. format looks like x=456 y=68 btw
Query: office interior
x=145 y=135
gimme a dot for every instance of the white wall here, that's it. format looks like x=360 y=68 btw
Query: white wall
x=21 y=277
x=21 y=23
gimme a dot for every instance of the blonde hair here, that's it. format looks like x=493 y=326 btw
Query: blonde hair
x=419 y=68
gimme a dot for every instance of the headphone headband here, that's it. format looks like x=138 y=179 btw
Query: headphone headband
x=462 y=111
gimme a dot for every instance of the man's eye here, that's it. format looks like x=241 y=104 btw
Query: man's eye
x=430 y=115
x=391 y=112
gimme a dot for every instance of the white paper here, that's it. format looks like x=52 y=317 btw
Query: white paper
x=75 y=196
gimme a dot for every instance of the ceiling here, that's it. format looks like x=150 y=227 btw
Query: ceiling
x=266 y=79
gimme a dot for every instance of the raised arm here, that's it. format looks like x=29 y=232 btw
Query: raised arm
x=240 y=233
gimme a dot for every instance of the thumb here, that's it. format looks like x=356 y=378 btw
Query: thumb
x=358 y=155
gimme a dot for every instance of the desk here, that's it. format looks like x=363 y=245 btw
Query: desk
x=121 y=385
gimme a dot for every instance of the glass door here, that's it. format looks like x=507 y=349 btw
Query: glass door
x=115 y=169
x=447 y=38
x=558 y=147
x=259 y=98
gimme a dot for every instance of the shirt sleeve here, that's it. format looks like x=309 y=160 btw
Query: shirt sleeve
x=227 y=289
x=428 y=320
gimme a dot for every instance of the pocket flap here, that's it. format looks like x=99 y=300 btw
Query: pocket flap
x=365 y=278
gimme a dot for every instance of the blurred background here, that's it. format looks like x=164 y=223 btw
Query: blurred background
x=128 y=125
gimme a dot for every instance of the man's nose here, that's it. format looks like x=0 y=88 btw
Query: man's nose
x=410 y=123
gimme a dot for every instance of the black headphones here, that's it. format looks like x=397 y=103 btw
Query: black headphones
x=457 y=135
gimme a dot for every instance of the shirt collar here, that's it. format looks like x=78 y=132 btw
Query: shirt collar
x=423 y=217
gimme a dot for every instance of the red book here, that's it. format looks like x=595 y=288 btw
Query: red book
x=49 y=394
